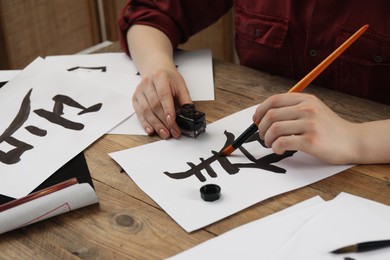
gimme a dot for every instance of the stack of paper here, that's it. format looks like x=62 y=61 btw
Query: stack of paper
x=50 y=116
x=309 y=230
x=53 y=110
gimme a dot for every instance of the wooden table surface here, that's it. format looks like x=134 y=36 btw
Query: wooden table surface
x=127 y=224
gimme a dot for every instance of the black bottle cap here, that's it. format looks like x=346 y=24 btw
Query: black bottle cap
x=210 y=192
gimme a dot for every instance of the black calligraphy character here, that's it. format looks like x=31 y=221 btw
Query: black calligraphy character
x=58 y=110
x=13 y=156
x=2 y=83
x=102 y=68
x=265 y=162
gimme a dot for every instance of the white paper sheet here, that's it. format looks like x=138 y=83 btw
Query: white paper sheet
x=180 y=198
x=62 y=201
x=6 y=75
x=259 y=239
x=130 y=126
x=50 y=145
x=195 y=66
x=344 y=221
x=91 y=63
x=311 y=231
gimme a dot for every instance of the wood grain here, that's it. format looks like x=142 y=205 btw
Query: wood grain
x=40 y=28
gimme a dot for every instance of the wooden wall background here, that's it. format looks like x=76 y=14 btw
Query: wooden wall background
x=218 y=38
x=31 y=28
x=112 y=9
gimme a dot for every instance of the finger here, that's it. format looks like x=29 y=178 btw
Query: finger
x=287 y=143
x=283 y=128
x=173 y=127
x=148 y=117
x=167 y=111
x=276 y=101
x=274 y=117
x=153 y=118
x=151 y=95
x=165 y=97
x=145 y=125
x=179 y=91
x=182 y=94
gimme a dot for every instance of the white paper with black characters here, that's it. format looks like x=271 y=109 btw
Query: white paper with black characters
x=171 y=172
x=48 y=116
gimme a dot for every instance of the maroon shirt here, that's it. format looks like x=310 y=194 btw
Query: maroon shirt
x=287 y=37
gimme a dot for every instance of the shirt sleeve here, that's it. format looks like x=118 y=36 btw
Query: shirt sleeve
x=178 y=19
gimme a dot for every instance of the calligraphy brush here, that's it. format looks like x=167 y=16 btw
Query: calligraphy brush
x=301 y=85
x=363 y=247
x=38 y=194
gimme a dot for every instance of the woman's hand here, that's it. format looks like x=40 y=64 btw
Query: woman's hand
x=295 y=121
x=162 y=87
x=155 y=98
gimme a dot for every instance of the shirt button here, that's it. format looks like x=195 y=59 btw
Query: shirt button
x=257 y=32
x=378 y=59
x=313 y=53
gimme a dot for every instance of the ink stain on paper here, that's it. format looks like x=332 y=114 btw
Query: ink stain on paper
x=101 y=69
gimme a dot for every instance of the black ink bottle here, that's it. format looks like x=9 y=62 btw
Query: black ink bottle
x=191 y=121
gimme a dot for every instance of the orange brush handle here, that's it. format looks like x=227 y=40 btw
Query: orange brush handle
x=303 y=83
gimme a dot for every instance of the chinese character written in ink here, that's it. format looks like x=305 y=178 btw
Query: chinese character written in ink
x=264 y=163
x=55 y=117
x=102 y=68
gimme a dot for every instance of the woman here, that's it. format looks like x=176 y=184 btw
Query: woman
x=287 y=38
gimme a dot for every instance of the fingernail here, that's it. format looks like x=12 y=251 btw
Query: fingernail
x=169 y=120
x=175 y=133
x=163 y=134
x=149 y=130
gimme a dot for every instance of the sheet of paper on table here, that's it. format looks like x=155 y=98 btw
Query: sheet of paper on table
x=71 y=198
x=52 y=115
x=172 y=172
x=117 y=70
x=309 y=230
x=6 y=75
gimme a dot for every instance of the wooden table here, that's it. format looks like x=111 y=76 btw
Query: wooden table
x=127 y=224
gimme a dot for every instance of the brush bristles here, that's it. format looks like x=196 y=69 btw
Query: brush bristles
x=347 y=249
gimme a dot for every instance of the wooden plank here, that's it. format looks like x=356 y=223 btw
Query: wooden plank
x=112 y=9
x=40 y=28
x=119 y=227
